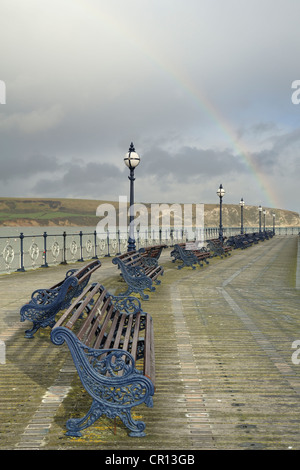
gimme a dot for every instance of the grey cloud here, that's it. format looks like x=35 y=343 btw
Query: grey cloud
x=266 y=159
x=83 y=80
x=190 y=163
x=24 y=166
x=82 y=180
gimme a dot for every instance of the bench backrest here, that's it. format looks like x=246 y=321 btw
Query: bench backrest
x=131 y=259
x=59 y=296
x=104 y=326
x=152 y=251
x=81 y=274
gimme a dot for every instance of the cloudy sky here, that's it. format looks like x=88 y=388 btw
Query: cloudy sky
x=202 y=88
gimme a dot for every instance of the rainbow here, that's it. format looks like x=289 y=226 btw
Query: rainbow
x=240 y=149
x=127 y=33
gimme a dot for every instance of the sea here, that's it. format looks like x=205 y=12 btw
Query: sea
x=38 y=230
x=28 y=253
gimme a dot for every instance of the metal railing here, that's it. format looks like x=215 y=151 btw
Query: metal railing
x=22 y=252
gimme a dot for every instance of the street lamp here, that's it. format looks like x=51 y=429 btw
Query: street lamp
x=242 y=203
x=221 y=193
x=264 y=212
x=273 y=223
x=259 y=212
x=131 y=159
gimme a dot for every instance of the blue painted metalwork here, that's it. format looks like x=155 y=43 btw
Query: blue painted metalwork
x=129 y=305
x=148 y=261
x=254 y=237
x=131 y=162
x=187 y=257
x=135 y=278
x=46 y=303
x=153 y=251
x=239 y=241
x=45 y=245
x=217 y=248
x=139 y=272
x=109 y=376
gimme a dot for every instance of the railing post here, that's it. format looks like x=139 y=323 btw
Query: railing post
x=80 y=238
x=119 y=242
x=95 y=241
x=45 y=265
x=107 y=238
x=64 y=261
x=21 y=268
x=172 y=236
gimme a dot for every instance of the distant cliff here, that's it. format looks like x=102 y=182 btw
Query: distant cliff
x=82 y=212
x=47 y=212
x=231 y=216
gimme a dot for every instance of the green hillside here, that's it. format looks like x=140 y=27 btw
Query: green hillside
x=43 y=212
x=82 y=212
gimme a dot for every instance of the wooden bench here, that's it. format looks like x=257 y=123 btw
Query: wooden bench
x=264 y=235
x=268 y=234
x=239 y=241
x=152 y=251
x=139 y=272
x=217 y=248
x=250 y=237
x=254 y=236
x=189 y=255
x=112 y=344
x=44 y=305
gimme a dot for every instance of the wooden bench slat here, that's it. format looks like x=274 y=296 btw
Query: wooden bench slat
x=87 y=324
x=80 y=309
x=100 y=336
x=119 y=332
x=109 y=338
x=139 y=272
x=87 y=270
x=127 y=334
x=45 y=304
x=88 y=274
x=149 y=361
x=66 y=314
x=189 y=257
x=135 y=337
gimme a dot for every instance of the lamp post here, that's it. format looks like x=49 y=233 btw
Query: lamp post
x=221 y=193
x=131 y=159
x=264 y=212
x=273 y=223
x=242 y=203
x=259 y=213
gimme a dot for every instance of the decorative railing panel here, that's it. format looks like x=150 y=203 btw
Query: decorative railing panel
x=35 y=248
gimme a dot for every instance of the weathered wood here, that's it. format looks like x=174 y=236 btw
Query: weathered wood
x=139 y=272
x=189 y=255
x=108 y=338
x=44 y=305
x=218 y=249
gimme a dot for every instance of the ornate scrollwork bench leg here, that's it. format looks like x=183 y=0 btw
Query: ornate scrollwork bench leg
x=45 y=304
x=37 y=325
x=110 y=378
x=187 y=257
x=135 y=279
x=76 y=425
